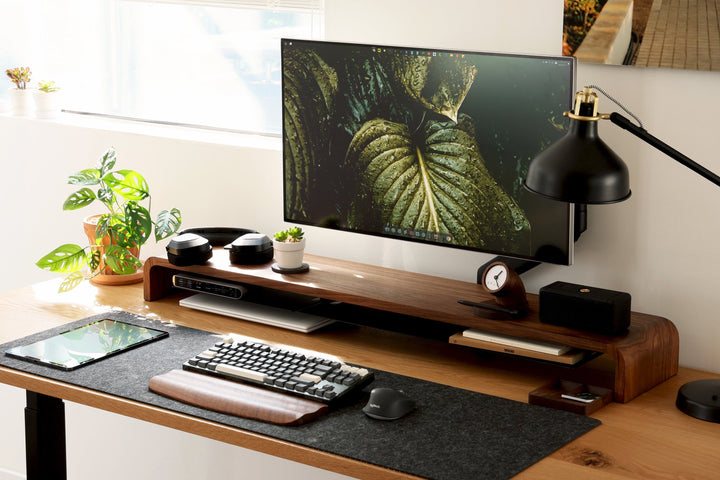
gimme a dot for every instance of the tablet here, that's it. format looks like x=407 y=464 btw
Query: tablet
x=89 y=343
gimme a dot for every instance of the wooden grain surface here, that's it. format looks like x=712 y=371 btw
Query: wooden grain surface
x=390 y=290
x=643 y=357
x=235 y=398
x=646 y=438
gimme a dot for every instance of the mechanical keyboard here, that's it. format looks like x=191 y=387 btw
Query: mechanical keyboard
x=283 y=369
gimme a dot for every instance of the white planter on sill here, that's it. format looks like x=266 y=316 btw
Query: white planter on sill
x=20 y=102
x=289 y=255
x=46 y=104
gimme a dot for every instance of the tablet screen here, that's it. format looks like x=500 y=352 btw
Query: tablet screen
x=82 y=345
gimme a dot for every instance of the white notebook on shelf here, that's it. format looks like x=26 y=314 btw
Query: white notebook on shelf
x=534 y=345
x=255 y=312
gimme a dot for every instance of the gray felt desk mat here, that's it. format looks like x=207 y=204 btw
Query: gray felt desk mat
x=453 y=434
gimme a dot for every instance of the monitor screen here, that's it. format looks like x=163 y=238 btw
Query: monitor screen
x=425 y=145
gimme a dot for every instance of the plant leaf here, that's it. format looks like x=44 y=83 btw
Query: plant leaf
x=71 y=281
x=138 y=223
x=121 y=260
x=114 y=226
x=369 y=94
x=79 y=199
x=89 y=176
x=167 y=223
x=94 y=258
x=440 y=84
x=107 y=162
x=120 y=233
x=106 y=196
x=309 y=89
x=128 y=184
x=435 y=183
x=102 y=227
x=66 y=258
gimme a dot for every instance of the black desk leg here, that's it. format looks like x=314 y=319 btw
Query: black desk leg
x=45 y=437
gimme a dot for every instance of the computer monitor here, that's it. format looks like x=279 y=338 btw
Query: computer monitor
x=425 y=145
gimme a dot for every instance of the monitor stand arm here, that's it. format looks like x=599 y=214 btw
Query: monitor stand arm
x=520 y=265
x=580 y=220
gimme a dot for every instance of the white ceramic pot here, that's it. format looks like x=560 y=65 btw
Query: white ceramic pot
x=46 y=104
x=289 y=255
x=20 y=102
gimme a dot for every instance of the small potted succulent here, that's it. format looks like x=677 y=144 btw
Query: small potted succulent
x=289 y=248
x=114 y=237
x=46 y=99
x=20 y=96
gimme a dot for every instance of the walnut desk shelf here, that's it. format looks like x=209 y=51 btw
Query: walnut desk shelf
x=629 y=365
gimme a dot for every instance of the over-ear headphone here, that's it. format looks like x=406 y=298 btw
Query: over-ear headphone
x=193 y=246
x=218 y=236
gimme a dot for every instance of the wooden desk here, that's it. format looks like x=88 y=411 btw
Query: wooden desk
x=645 y=438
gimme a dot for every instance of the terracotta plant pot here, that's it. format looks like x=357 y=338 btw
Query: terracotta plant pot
x=108 y=276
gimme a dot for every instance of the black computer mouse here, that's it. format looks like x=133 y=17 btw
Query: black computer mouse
x=388 y=404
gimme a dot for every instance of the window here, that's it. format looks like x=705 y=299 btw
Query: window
x=214 y=63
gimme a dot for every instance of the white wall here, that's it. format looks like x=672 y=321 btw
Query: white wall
x=660 y=245
x=521 y=26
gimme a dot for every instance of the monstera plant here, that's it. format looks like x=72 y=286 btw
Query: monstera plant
x=115 y=236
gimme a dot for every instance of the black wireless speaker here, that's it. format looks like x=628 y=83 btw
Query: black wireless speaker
x=585 y=308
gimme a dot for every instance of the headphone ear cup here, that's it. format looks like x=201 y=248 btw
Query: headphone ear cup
x=188 y=249
x=251 y=249
x=218 y=236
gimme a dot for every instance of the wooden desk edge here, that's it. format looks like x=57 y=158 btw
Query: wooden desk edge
x=646 y=415
x=198 y=426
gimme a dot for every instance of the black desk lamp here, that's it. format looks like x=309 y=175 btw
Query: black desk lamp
x=580 y=168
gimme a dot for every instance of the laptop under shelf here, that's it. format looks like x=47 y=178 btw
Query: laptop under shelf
x=256 y=312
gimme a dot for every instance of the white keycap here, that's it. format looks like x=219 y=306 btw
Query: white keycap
x=241 y=372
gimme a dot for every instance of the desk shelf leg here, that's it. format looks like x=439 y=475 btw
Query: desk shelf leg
x=45 y=437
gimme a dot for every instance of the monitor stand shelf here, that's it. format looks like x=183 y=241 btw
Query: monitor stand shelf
x=638 y=360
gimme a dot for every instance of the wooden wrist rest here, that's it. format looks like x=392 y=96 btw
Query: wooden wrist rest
x=226 y=396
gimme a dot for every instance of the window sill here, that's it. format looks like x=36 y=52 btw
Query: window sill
x=177 y=132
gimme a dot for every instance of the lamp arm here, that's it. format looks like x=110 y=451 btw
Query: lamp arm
x=642 y=134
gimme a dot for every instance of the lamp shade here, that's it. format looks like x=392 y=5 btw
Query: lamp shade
x=579 y=168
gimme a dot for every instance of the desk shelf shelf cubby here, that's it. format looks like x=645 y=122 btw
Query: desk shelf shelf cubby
x=642 y=358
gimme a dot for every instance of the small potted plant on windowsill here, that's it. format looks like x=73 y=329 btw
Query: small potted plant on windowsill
x=115 y=237
x=289 y=248
x=46 y=100
x=20 y=96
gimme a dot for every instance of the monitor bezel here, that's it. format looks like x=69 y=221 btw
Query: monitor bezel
x=534 y=258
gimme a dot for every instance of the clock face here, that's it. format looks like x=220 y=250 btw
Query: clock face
x=495 y=277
